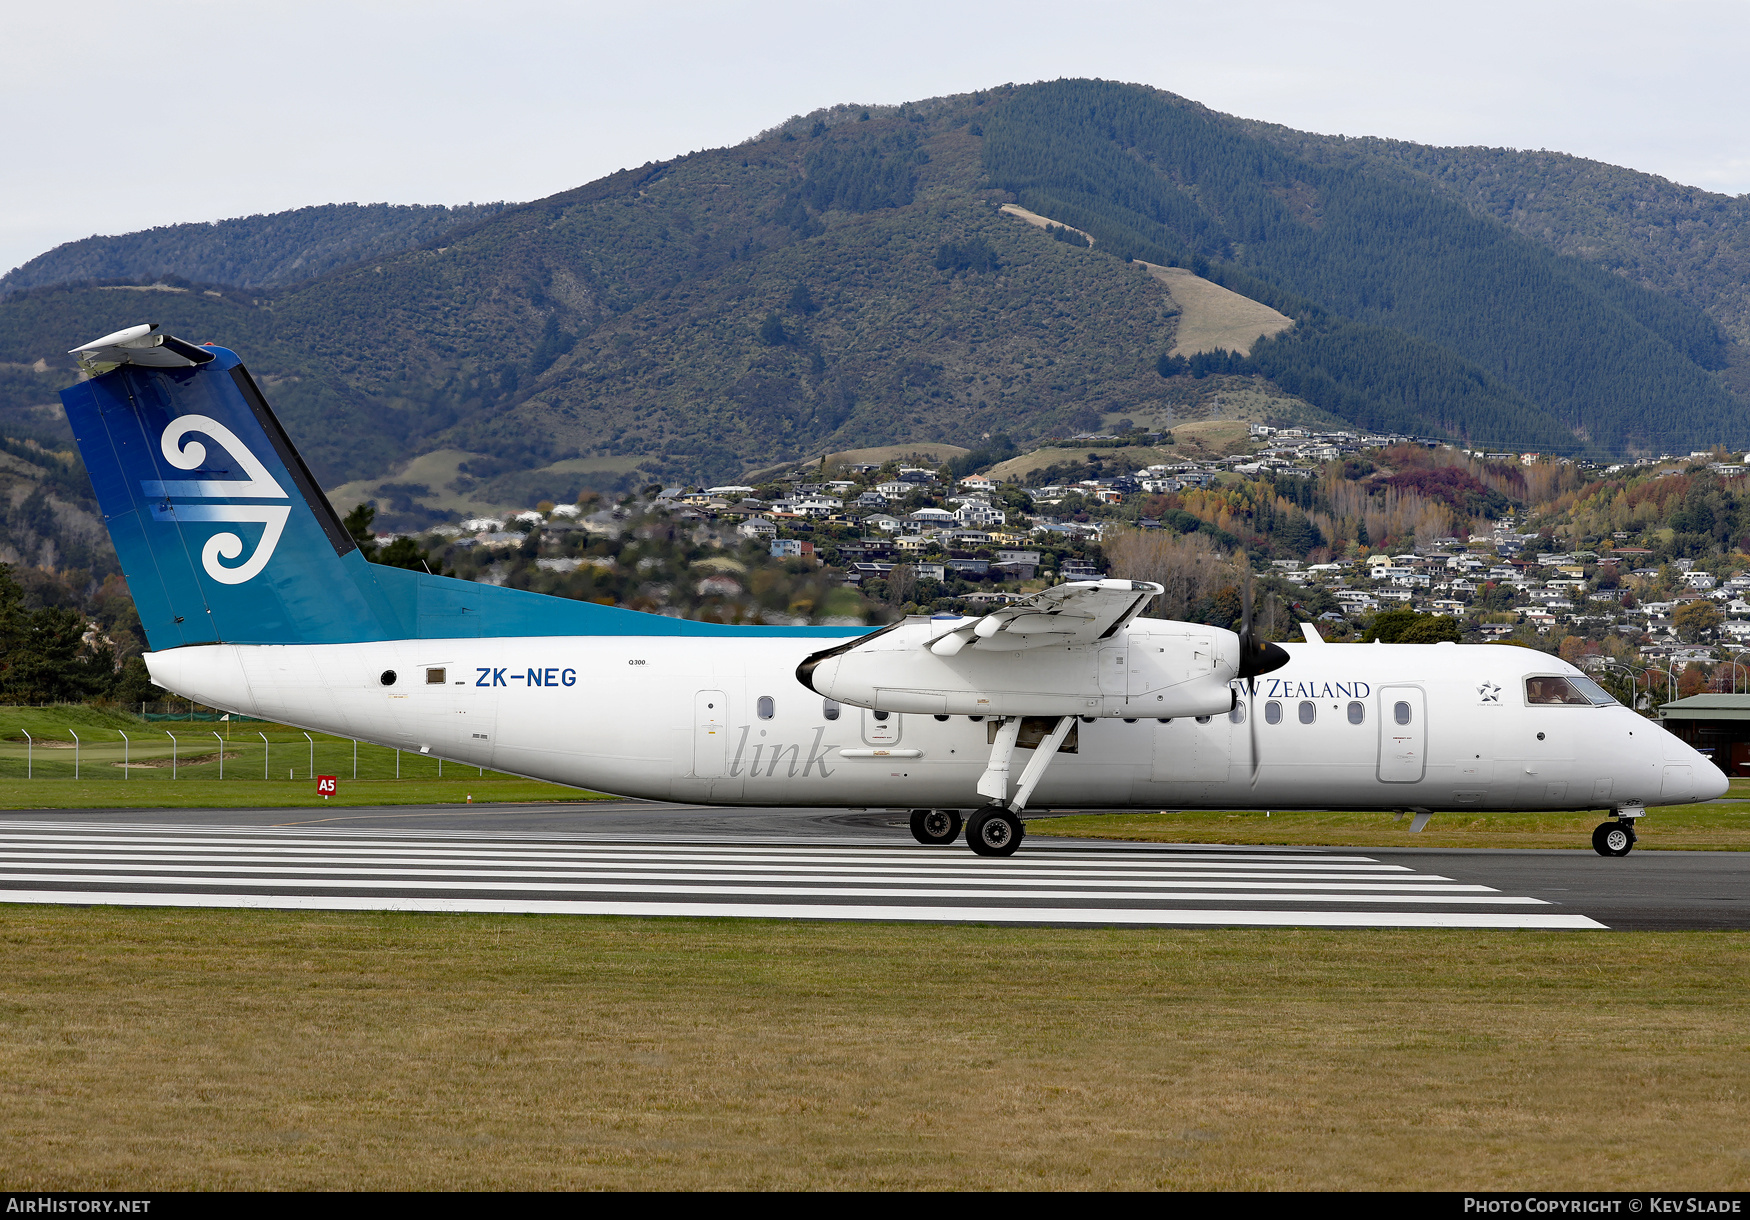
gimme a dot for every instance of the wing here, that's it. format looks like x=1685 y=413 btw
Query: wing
x=1076 y=613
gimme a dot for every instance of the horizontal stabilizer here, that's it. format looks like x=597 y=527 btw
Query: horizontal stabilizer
x=145 y=345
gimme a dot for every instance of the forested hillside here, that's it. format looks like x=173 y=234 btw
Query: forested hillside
x=1340 y=244
x=848 y=280
x=249 y=251
x=1677 y=240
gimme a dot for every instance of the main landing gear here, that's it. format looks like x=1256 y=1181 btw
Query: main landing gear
x=994 y=831
x=935 y=827
x=1614 y=838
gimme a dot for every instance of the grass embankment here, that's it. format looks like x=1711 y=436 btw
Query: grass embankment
x=151 y=1050
x=1723 y=827
x=170 y=764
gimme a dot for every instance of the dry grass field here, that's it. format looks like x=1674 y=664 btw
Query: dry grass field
x=155 y=1049
x=1212 y=317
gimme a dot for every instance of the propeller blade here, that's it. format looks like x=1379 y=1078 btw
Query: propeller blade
x=1257 y=656
x=1252 y=724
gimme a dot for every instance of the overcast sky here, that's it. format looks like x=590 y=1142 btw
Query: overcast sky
x=124 y=116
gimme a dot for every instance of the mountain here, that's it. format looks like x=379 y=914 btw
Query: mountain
x=886 y=275
x=249 y=251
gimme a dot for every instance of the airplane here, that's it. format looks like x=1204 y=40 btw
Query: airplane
x=255 y=599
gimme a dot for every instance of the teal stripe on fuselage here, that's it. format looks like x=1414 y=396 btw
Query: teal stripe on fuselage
x=443 y=608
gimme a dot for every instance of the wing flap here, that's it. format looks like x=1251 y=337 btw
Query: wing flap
x=1066 y=615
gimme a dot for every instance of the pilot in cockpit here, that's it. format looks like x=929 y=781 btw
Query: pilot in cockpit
x=1555 y=691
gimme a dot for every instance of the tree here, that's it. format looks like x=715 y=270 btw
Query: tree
x=1692 y=681
x=1405 y=626
x=358 y=524
x=1696 y=619
x=1432 y=629
x=772 y=332
x=801 y=300
x=974 y=255
x=43 y=654
x=402 y=553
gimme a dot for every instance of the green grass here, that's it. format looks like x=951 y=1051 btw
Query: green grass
x=169 y=1049
x=150 y=770
x=283 y=794
x=1723 y=827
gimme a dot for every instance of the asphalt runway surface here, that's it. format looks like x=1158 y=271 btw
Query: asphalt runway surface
x=635 y=858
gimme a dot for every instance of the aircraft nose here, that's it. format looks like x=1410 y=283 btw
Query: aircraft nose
x=1712 y=782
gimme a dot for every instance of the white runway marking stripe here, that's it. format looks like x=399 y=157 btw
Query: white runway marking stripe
x=793 y=891
x=298 y=869
x=1163 y=879
x=918 y=858
x=940 y=914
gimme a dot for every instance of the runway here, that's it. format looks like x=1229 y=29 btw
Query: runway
x=645 y=860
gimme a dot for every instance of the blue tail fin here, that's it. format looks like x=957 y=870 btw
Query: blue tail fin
x=221 y=530
x=225 y=537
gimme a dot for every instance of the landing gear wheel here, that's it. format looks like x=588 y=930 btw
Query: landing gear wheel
x=994 y=831
x=1613 y=839
x=935 y=827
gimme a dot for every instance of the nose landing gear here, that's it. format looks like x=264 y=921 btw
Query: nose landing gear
x=935 y=827
x=1614 y=838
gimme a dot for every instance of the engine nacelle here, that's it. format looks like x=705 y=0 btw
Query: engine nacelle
x=1150 y=667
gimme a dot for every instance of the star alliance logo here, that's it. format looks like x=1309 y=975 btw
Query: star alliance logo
x=1488 y=692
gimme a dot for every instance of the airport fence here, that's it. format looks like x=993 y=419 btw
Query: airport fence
x=179 y=741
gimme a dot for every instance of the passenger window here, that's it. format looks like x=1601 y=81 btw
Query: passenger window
x=1557 y=692
x=1357 y=713
x=1309 y=711
x=1237 y=713
x=434 y=677
x=764 y=708
x=829 y=708
x=881 y=715
x=1272 y=712
x=1400 y=712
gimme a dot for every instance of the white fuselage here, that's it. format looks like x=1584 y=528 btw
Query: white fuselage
x=683 y=719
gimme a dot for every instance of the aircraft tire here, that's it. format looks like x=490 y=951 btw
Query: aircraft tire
x=1613 y=839
x=935 y=827
x=994 y=831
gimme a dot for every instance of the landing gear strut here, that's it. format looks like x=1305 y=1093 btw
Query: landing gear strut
x=935 y=827
x=994 y=831
x=1614 y=838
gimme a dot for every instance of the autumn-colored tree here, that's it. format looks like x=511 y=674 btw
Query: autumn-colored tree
x=1696 y=619
x=1692 y=681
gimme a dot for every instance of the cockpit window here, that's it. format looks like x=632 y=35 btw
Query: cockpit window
x=1573 y=691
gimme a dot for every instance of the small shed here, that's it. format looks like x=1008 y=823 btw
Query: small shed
x=1716 y=725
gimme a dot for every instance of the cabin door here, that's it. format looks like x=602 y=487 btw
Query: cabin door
x=1403 y=734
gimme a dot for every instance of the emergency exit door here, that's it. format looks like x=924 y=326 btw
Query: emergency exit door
x=1403 y=734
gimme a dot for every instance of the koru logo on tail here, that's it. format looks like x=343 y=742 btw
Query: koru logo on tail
x=173 y=495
